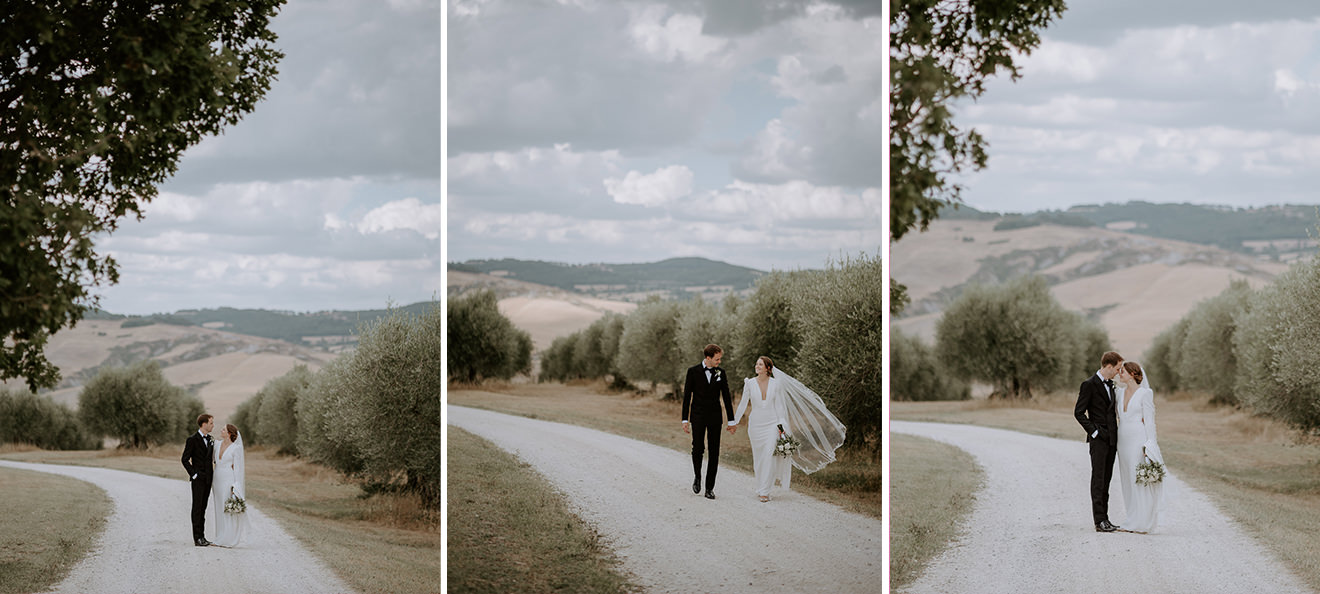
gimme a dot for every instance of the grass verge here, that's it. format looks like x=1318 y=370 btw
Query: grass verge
x=50 y=523
x=932 y=487
x=853 y=482
x=510 y=531
x=1262 y=474
x=387 y=543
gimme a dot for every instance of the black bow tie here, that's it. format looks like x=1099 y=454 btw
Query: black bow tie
x=1110 y=383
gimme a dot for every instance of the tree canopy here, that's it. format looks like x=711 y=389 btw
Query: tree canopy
x=941 y=52
x=99 y=101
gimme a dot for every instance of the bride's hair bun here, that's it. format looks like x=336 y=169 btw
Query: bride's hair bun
x=1134 y=370
x=232 y=431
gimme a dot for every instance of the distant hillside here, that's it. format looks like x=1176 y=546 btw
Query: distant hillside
x=1280 y=233
x=297 y=328
x=677 y=278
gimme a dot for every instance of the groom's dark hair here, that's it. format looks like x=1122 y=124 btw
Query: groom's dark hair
x=203 y=419
x=1110 y=358
x=711 y=349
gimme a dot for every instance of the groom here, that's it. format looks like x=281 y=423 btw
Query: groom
x=1097 y=413
x=197 y=461
x=702 y=390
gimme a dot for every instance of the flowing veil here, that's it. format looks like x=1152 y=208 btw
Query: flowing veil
x=811 y=423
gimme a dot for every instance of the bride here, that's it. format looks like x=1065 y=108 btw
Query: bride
x=1136 y=442
x=229 y=480
x=781 y=405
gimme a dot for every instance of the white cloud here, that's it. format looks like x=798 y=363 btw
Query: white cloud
x=669 y=39
x=408 y=213
x=662 y=187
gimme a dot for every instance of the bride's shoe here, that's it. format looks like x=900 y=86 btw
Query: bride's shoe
x=764 y=498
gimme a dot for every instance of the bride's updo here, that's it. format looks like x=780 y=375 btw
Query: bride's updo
x=232 y=431
x=769 y=366
x=1134 y=370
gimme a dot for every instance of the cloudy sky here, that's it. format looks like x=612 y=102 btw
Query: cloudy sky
x=327 y=196
x=633 y=131
x=1203 y=101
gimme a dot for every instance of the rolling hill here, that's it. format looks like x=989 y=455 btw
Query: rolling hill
x=1134 y=285
x=676 y=278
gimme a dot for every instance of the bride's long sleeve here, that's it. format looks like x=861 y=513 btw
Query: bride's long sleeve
x=240 y=484
x=742 y=402
x=781 y=404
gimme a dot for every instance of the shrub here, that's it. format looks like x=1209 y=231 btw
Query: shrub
x=1209 y=362
x=765 y=323
x=245 y=418
x=915 y=373
x=137 y=405
x=37 y=420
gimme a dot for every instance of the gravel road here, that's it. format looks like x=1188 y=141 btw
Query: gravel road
x=1030 y=529
x=640 y=497
x=147 y=545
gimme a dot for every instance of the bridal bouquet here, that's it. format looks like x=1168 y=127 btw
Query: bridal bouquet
x=235 y=504
x=1150 y=472
x=786 y=445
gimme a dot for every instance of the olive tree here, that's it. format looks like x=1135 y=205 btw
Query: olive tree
x=483 y=343
x=839 y=313
x=101 y=99
x=1014 y=336
x=137 y=405
x=766 y=326
x=1277 y=343
x=277 y=415
x=1209 y=361
x=648 y=347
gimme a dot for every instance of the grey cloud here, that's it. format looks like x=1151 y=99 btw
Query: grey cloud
x=358 y=94
x=1100 y=22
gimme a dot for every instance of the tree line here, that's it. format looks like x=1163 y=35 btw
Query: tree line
x=372 y=412
x=821 y=326
x=1258 y=349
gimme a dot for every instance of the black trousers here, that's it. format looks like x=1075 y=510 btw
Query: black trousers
x=201 y=489
x=708 y=433
x=1102 y=472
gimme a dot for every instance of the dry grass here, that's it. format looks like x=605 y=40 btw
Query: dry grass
x=50 y=523
x=1261 y=473
x=388 y=543
x=932 y=489
x=510 y=531
x=853 y=482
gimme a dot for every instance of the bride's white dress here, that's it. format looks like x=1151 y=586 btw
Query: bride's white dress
x=767 y=413
x=1136 y=430
x=229 y=477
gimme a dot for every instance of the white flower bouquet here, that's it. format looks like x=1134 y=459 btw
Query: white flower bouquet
x=235 y=504
x=786 y=445
x=1150 y=473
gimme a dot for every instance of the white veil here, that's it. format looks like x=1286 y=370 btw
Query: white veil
x=1152 y=445
x=240 y=474
x=811 y=423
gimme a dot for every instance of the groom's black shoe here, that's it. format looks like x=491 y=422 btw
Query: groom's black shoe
x=1105 y=526
x=202 y=542
x=710 y=494
x=696 y=485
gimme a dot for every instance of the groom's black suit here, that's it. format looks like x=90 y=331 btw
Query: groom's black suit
x=1097 y=413
x=197 y=460
x=701 y=398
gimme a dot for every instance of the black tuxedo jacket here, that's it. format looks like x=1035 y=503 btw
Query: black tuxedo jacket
x=197 y=458
x=702 y=398
x=1095 y=411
